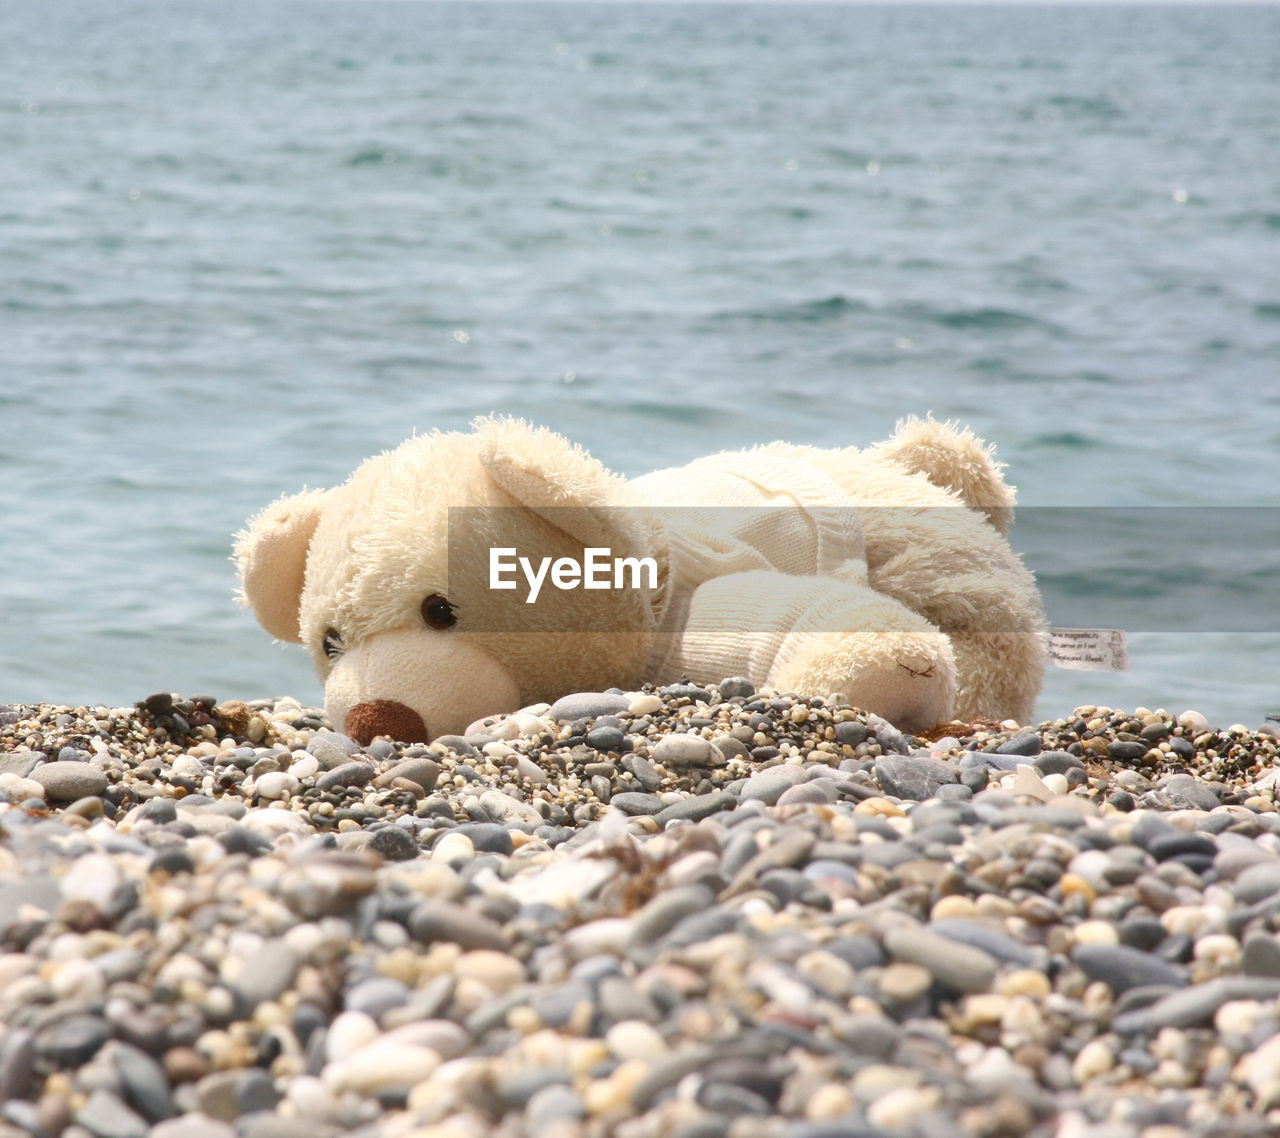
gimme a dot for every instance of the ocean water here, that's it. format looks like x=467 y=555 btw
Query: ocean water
x=244 y=245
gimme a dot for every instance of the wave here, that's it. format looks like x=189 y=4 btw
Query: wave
x=802 y=312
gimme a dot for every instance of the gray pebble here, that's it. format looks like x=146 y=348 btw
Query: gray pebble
x=516 y=1089
x=606 y=739
x=735 y=687
x=376 y=996
x=146 y=1087
x=1057 y=762
x=488 y=837
x=552 y=1103
x=643 y=771
x=891 y=740
x=17 y=1058
x=817 y=791
x=355 y=774
x=394 y=843
x=1026 y=744
x=1000 y=945
x=766 y=786
x=633 y=802
x=912 y=777
x=556 y=1005
x=105 y=1116
x=1185 y=790
x=424 y=772
x=67 y=781
x=588 y=705
x=21 y=763
x=957 y=966
x=661 y=914
x=434 y=920
x=1194 y=1006
x=851 y=733
x=73 y=1041
x=696 y=807
x=1121 y=967
x=332 y=741
x=1261 y=955
x=269 y=974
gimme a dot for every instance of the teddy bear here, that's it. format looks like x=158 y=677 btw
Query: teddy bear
x=466 y=574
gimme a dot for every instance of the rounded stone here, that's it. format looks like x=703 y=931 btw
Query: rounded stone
x=736 y=687
x=587 y=705
x=606 y=739
x=67 y=781
x=394 y=843
x=682 y=751
x=352 y=774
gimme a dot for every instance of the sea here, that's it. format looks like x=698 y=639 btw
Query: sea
x=245 y=244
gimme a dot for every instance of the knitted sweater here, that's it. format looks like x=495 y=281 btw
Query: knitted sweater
x=783 y=522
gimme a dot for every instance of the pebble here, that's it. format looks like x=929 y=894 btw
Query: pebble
x=685 y=910
x=1122 y=968
x=953 y=964
x=913 y=777
x=687 y=751
x=588 y=705
x=66 y=781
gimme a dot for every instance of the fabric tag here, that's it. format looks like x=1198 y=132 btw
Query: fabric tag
x=1089 y=649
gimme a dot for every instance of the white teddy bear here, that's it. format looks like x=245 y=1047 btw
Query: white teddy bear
x=467 y=574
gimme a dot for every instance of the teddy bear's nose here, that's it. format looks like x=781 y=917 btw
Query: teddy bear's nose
x=385 y=717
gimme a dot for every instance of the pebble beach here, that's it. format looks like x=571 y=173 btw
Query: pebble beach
x=678 y=912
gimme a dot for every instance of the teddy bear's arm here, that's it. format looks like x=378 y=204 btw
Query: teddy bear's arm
x=816 y=635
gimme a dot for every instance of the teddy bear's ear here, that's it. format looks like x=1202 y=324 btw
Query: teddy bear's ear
x=272 y=555
x=557 y=479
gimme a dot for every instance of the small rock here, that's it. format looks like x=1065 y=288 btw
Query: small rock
x=587 y=705
x=67 y=781
x=912 y=776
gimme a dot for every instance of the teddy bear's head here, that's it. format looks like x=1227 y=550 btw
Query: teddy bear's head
x=392 y=597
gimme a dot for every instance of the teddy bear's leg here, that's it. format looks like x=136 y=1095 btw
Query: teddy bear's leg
x=817 y=636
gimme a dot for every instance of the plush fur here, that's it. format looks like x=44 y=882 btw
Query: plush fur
x=886 y=577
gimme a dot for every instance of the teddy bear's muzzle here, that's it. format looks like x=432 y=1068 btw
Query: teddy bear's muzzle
x=377 y=717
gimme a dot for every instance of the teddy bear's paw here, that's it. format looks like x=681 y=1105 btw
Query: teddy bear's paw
x=908 y=679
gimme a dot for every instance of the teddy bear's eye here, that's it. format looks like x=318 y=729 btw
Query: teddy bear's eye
x=438 y=612
x=332 y=644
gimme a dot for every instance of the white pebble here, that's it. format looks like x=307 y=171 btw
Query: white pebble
x=381 y=1066
x=1194 y=722
x=306 y=767
x=1057 y=783
x=898 y=1109
x=644 y=705
x=78 y=980
x=91 y=877
x=1095 y=1058
x=277 y=785
x=634 y=1039
x=349 y=1032
x=453 y=847
x=187 y=766
x=311 y=1098
x=497 y=971
x=1237 y=1017
x=498 y=802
